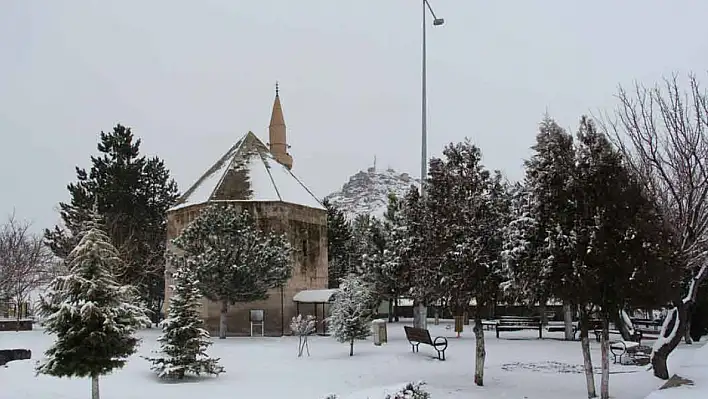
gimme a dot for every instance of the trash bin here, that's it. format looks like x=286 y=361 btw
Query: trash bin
x=379 y=329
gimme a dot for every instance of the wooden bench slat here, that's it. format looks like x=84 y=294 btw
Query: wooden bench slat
x=417 y=336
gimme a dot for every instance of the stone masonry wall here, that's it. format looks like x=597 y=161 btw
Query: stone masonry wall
x=306 y=229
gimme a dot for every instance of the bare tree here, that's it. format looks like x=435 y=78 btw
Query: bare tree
x=662 y=132
x=25 y=262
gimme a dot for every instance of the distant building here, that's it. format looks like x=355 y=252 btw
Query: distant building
x=258 y=177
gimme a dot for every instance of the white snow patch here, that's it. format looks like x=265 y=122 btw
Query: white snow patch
x=315 y=296
x=290 y=188
x=662 y=339
x=694 y=368
x=270 y=368
x=262 y=186
x=269 y=179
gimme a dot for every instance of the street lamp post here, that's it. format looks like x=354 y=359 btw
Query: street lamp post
x=424 y=102
x=420 y=313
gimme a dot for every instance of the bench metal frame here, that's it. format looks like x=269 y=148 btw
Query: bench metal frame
x=438 y=342
x=619 y=349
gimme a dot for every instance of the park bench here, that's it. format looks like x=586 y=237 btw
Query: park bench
x=8 y=355
x=417 y=336
x=559 y=326
x=637 y=337
x=511 y=323
x=489 y=324
x=621 y=348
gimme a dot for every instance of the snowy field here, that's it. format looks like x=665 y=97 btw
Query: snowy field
x=693 y=366
x=518 y=366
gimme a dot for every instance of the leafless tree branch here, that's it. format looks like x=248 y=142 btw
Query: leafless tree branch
x=661 y=131
x=26 y=263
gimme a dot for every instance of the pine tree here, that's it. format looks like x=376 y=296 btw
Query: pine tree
x=383 y=268
x=523 y=247
x=352 y=311
x=472 y=204
x=587 y=234
x=361 y=243
x=339 y=235
x=133 y=193
x=623 y=239
x=234 y=261
x=421 y=255
x=184 y=341
x=93 y=317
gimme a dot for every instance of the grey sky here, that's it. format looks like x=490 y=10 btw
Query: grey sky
x=191 y=77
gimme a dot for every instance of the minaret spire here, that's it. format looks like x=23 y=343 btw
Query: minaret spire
x=277 y=132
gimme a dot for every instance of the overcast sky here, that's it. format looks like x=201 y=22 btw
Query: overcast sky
x=190 y=77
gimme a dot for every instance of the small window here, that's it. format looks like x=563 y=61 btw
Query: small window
x=304 y=248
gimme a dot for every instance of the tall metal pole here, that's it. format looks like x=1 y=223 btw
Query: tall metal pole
x=424 y=114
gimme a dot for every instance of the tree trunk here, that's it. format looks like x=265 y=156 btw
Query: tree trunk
x=480 y=353
x=587 y=360
x=420 y=315
x=605 y=346
x=687 y=336
x=568 y=321
x=675 y=326
x=94 y=387
x=351 y=347
x=18 y=309
x=222 y=319
x=542 y=309
x=625 y=326
x=390 y=310
x=671 y=333
x=395 y=309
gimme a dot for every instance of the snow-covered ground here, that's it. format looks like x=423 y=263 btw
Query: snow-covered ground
x=693 y=366
x=518 y=366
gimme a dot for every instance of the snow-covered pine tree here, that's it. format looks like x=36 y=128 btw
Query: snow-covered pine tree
x=132 y=192
x=93 y=317
x=520 y=247
x=352 y=311
x=184 y=341
x=361 y=243
x=626 y=245
x=472 y=205
x=422 y=254
x=381 y=268
x=234 y=261
x=339 y=236
x=391 y=276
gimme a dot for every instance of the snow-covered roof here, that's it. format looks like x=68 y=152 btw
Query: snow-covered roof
x=249 y=172
x=315 y=296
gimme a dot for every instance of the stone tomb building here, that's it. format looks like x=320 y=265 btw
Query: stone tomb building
x=258 y=177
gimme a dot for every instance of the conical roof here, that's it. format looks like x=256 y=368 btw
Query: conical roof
x=248 y=172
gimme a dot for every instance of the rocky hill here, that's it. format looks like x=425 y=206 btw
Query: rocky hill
x=367 y=192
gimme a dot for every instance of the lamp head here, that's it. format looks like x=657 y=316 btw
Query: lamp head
x=438 y=21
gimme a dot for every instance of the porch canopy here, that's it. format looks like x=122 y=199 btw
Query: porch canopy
x=316 y=297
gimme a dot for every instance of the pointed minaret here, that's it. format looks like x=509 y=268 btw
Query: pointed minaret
x=276 y=132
